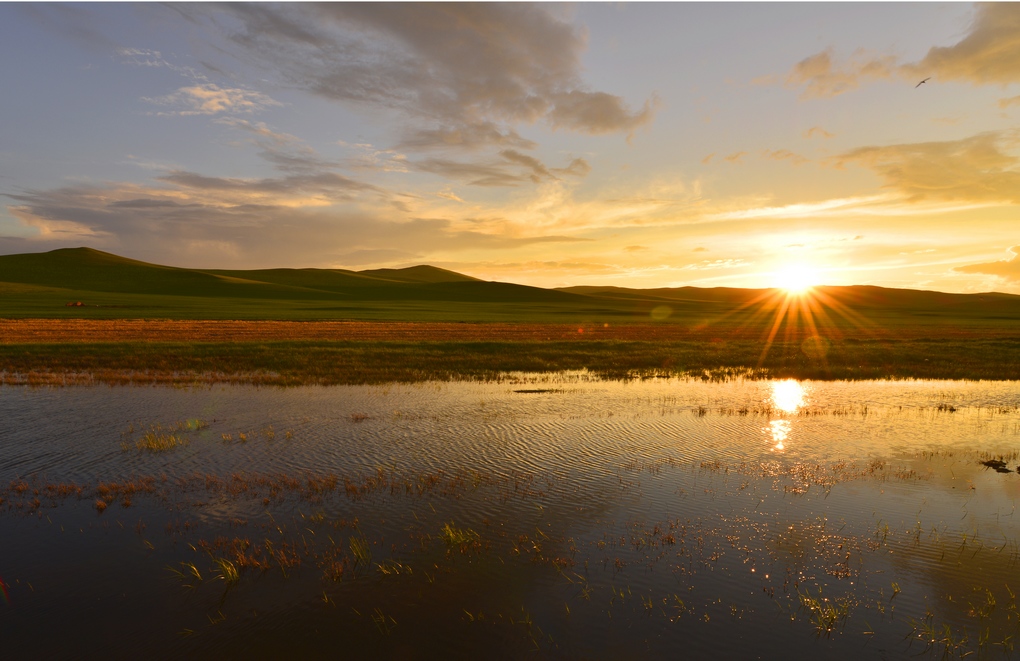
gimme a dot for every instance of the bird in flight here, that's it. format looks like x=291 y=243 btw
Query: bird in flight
x=922 y=82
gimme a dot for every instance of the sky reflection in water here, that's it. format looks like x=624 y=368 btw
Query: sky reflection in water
x=612 y=516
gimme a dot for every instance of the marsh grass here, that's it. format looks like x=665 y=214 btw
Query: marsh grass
x=226 y=570
x=460 y=539
x=361 y=549
x=824 y=613
x=160 y=438
x=160 y=442
x=346 y=362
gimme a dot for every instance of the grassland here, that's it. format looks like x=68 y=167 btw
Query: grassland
x=143 y=323
x=356 y=362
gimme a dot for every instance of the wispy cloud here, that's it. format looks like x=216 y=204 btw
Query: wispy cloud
x=211 y=99
x=260 y=130
x=821 y=77
x=512 y=169
x=817 y=132
x=467 y=136
x=784 y=155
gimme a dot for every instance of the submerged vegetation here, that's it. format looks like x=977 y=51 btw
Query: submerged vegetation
x=579 y=519
x=802 y=568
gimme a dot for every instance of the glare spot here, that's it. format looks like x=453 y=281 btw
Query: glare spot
x=661 y=312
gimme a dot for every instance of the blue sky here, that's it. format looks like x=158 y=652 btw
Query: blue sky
x=639 y=145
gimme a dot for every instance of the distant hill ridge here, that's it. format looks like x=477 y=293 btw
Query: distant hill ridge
x=85 y=270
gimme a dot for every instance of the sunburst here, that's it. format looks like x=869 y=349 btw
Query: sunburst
x=803 y=309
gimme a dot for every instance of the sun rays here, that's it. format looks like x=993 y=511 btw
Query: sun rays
x=798 y=308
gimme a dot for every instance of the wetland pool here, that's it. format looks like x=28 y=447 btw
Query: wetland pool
x=538 y=516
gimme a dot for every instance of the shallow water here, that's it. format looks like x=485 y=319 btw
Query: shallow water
x=551 y=516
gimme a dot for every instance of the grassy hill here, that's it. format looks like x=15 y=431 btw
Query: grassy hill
x=40 y=284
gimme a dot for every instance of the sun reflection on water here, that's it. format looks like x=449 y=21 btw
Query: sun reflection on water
x=787 y=397
x=780 y=431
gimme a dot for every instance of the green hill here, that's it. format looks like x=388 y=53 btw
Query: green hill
x=40 y=284
x=37 y=284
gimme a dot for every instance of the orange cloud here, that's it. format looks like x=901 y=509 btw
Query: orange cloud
x=1005 y=268
x=974 y=169
x=988 y=55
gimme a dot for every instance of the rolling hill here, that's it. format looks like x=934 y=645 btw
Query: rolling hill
x=110 y=286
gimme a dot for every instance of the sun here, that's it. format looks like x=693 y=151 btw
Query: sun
x=796 y=279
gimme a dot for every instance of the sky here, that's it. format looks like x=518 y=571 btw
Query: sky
x=637 y=145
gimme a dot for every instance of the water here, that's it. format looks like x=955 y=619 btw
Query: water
x=558 y=517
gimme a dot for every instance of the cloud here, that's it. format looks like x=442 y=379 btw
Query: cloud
x=989 y=54
x=598 y=113
x=821 y=78
x=142 y=57
x=467 y=136
x=1012 y=101
x=736 y=157
x=817 y=131
x=784 y=155
x=474 y=174
x=288 y=153
x=974 y=169
x=514 y=169
x=463 y=66
x=1008 y=269
x=368 y=157
x=197 y=220
x=260 y=130
x=714 y=264
x=577 y=168
x=211 y=99
x=538 y=169
x=310 y=189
